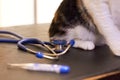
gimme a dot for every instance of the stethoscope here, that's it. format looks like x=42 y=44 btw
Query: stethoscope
x=56 y=47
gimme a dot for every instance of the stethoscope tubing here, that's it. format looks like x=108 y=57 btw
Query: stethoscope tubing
x=6 y=40
x=21 y=42
x=3 y=40
x=11 y=33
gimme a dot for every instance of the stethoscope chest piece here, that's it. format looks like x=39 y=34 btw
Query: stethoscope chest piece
x=59 y=45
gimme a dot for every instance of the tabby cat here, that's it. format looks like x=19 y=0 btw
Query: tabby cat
x=89 y=22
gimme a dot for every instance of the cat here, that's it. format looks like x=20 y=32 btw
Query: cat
x=89 y=22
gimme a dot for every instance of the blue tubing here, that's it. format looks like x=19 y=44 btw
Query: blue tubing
x=21 y=43
x=8 y=40
x=11 y=33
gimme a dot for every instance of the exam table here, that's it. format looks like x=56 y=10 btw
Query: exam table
x=83 y=64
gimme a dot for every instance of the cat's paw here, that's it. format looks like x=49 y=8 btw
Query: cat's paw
x=86 y=45
x=114 y=45
x=116 y=50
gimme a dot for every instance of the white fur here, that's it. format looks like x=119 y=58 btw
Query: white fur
x=105 y=14
x=83 y=38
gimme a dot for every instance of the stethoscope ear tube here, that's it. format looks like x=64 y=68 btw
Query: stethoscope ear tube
x=22 y=42
x=7 y=40
x=11 y=33
x=53 y=55
x=21 y=45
